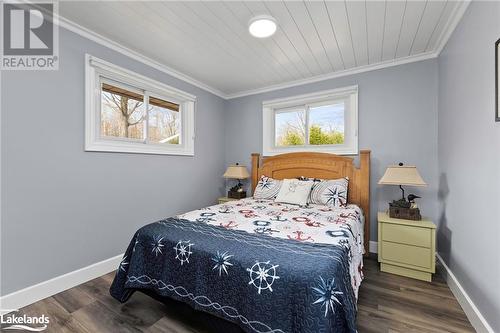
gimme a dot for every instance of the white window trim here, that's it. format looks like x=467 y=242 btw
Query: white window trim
x=95 y=69
x=268 y=129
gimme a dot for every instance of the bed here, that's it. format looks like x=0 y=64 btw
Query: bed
x=261 y=265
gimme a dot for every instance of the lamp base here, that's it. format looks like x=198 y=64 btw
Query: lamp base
x=236 y=194
x=404 y=213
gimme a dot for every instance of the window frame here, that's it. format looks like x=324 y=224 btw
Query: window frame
x=97 y=71
x=306 y=101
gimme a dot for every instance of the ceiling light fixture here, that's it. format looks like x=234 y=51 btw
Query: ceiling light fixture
x=262 y=26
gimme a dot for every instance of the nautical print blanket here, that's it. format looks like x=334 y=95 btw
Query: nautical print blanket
x=313 y=224
x=261 y=283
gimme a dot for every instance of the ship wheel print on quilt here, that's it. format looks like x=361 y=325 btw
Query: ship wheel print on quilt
x=263 y=275
x=183 y=251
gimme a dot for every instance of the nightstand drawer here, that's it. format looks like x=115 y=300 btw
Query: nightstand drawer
x=407 y=254
x=406 y=235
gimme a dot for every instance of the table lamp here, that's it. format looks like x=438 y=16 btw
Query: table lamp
x=238 y=172
x=406 y=175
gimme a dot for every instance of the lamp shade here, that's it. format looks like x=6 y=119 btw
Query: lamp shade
x=236 y=172
x=402 y=175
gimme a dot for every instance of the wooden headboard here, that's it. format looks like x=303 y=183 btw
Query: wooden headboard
x=323 y=166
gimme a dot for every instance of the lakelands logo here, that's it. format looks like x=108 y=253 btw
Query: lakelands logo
x=11 y=321
x=30 y=36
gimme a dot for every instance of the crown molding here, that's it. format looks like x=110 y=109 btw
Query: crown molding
x=95 y=37
x=333 y=75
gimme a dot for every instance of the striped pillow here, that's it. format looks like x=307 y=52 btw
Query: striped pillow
x=267 y=188
x=332 y=193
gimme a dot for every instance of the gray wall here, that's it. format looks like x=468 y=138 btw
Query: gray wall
x=64 y=208
x=469 y=158
x=397 y=121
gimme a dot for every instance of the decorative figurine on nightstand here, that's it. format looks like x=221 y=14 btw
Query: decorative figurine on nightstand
x=238 y=172
x=403 y=175
x=411 y=200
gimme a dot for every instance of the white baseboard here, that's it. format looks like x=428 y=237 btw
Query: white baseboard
x=475 y=317
x=30 y=295
x=471 y=311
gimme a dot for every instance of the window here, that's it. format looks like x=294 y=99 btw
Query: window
x=325 y=121
x=127 y=112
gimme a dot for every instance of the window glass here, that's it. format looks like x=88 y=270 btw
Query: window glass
x=326 y=124
x=122 y=113
x=290 y=128
x=164 y=121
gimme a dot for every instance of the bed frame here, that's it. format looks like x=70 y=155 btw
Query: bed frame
x=323 y=166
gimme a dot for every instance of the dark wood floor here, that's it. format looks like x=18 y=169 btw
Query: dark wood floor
x=387 y=303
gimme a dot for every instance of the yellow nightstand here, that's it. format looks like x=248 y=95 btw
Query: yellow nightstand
x=222 y=200
x=407 y=247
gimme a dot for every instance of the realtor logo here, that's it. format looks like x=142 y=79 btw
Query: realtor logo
x=29 y=36
x=10 y=320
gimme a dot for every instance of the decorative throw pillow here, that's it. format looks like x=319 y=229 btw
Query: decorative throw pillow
x=267 y=188
x=294 y=191
x=315 y=182
x=332 y=193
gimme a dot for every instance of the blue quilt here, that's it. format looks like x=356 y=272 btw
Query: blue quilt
x=262 y=284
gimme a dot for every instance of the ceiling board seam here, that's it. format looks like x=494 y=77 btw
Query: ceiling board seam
x=286 y=35
x=400 y=30
x=334 y=34
x=350 y=34
x=319 y=37
x=383 y=32
x=303 y=37
x=418 y=27
x=436 y=25
x=366 y=29
x=286 y=55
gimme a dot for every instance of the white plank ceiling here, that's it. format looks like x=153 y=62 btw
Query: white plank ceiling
x=209 y=41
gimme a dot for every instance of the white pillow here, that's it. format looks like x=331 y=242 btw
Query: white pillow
x=294 y=191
